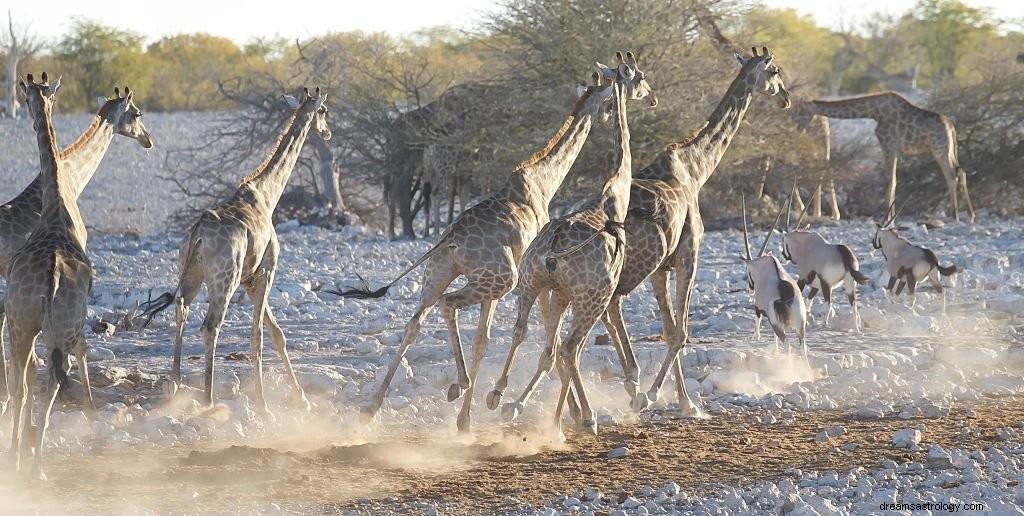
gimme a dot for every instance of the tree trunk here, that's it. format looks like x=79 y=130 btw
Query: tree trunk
x=331 y=196
x=11 y=106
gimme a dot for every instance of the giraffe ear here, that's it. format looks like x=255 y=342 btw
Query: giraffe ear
x=581 y=89
x=607 y=73
x=292 y=101
x=626 y=71
x=739 y=58
x=100 y=100
x=52 y=88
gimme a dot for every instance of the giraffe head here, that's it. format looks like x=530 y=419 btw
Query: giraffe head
x=120 y=111
x=601 y=96
x=632 y=79
x=764 y=76
x=313 y=104
x=39 y=95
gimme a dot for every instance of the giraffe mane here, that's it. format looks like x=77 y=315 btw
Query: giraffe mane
x=287 y=129
x=541 y=154
x=89 y=131
x=689 y=139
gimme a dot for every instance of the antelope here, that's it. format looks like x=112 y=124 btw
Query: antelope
x=776 y=294
x=823 y=266
x=908 y=264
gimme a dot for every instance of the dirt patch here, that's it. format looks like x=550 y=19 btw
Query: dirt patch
x=511 y=470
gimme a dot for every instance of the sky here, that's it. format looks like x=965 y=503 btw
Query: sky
x=306 y=19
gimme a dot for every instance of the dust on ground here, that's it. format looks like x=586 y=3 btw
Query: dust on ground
x=493 y=474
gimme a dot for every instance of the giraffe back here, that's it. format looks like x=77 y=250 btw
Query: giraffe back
x=654 y=226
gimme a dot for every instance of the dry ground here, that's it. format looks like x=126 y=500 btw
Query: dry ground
x=499 y=476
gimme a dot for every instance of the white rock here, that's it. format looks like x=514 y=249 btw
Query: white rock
x=906 y=438
x=618 y=453
x=99 y=354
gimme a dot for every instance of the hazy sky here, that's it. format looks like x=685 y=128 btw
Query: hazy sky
x=157 y=18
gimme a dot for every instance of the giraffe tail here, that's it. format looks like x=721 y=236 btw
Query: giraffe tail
x=363 y=290
x=150 y=308
x=57 y=358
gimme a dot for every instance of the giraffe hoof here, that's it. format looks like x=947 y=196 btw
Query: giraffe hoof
x=302 y=402
x=631 y=387
x=170 y=389
x=589 y=426
x=510 y=411
x=454 y=392
x=640 y=402
x=366 y=414
x=493 y=398
x=690 y=409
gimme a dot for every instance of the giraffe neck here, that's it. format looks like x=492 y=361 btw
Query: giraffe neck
x=271 y=177
x=81 y=159
x=615 y=196
x=875 y=105
x=699 y=157
x=536 y=180
x=79 y=162
x=59 y=210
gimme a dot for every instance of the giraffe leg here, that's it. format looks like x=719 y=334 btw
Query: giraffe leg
x=23 y=359
x=210 y=331
x=659 y=283
x=46 y=407
x=480 y=341
x=685 y=263
x=952 y=188
x=616 y=327
x=280 y=344
x=88 y=404
x=554 y=317
x=816 y=203
x=190 y=283
x=440 y=274
x=961 y=178
x=835 y=200
x=5 y=388
x=524 y=304
x=586 y=312
x=481 y=286
x=889 y=160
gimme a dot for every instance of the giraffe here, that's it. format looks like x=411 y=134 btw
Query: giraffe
x=577 y=259
x=79 y=161
x=818 y=128
x=234 y=244
x=49 y=279
x=664 y=223
x=908 y=129
x=486 y=242
x=440 y=171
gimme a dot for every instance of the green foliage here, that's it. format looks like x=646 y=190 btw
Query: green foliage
x=189 y=68
x=96 y=58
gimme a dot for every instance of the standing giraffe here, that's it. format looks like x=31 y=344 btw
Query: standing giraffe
x=664 y=224
x=234 y=244
x=577 y=259
x=486 y=242
x=817 y=127
x=48 y=283
x=19 y=216
x=909 y=129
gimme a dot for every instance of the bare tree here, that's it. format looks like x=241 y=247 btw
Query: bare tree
x=19 y=45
